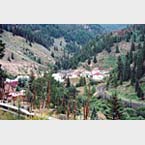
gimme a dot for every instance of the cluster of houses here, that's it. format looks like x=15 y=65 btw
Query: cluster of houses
x=10 y=89
x=10 y=85
x=96 y=74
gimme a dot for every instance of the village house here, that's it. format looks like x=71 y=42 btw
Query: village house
x=10 y=86
x=86 y=74
x=58 y=77
x=97 y=74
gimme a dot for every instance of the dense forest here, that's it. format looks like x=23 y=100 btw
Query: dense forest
x=45 y=34
x=133 y=33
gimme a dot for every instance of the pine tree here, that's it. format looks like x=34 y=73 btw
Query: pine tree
x=2 y=73
x=131 y=56
x=139 y=46
x=68 y=83
x=89 y=61
x=2 y=77
x=128 y=37
x=132 y=46
x=117 y=49
x=52 y=54
x=142 y=38
x=95 y=60
x=32 y=78
x=9 y=59
x=116 y=109
x=2 y=48
x=139 y=64
x=133 y=76
x=31 y=89
x=140 y=93
x=48 y=93
x=126 y=70
x=94 y=114
x=143 y=50
x=136 y=85
x=119 y=69
x=12 y=55
x=115 y=82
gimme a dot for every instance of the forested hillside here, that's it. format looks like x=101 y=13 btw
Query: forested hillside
x=91 y=76
x=106 y=42
x=62 y=42
x=128 y=75
x=44 y=34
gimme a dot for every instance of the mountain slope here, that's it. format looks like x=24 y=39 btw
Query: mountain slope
x=38 y=46
x=41 y=45
x=44 y=34
x=127 y=78
x=20 y=57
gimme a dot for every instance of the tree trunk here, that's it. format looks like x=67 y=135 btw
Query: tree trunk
x=48 y=94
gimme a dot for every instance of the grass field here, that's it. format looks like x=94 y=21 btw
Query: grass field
x=126 y=91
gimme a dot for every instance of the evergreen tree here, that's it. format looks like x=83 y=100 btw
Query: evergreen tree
x=108 y=49
x=139 y=46
x=12 y=55
x=2 y=47
x=89 y=61
x=68 y=82
x=82 y=82
x=132 y=46
x=93 y=90
x=94 y=114
x=119 y=69
x=2 y=77
x=128 y=37
x=9 y=59
x=31 y=79
x=131 y=56
x=95 y=60
x=116 y=109
x=142 y=38
x=136 y=85
x=52 y=54
x=133 y=76
x=139 y=64
x=2 y=73
x=143 y=50
x=126 y=70
x=115 y=82
x=140 y=93
x=117 y=49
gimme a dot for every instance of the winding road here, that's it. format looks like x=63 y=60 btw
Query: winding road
x=102 y=93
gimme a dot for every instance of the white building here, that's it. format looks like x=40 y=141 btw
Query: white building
x=58 y=77
x=98 y=77
x=86 y=74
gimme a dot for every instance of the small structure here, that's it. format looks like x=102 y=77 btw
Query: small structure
x=9 y=87
x=58 y=77
x=86 y=74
